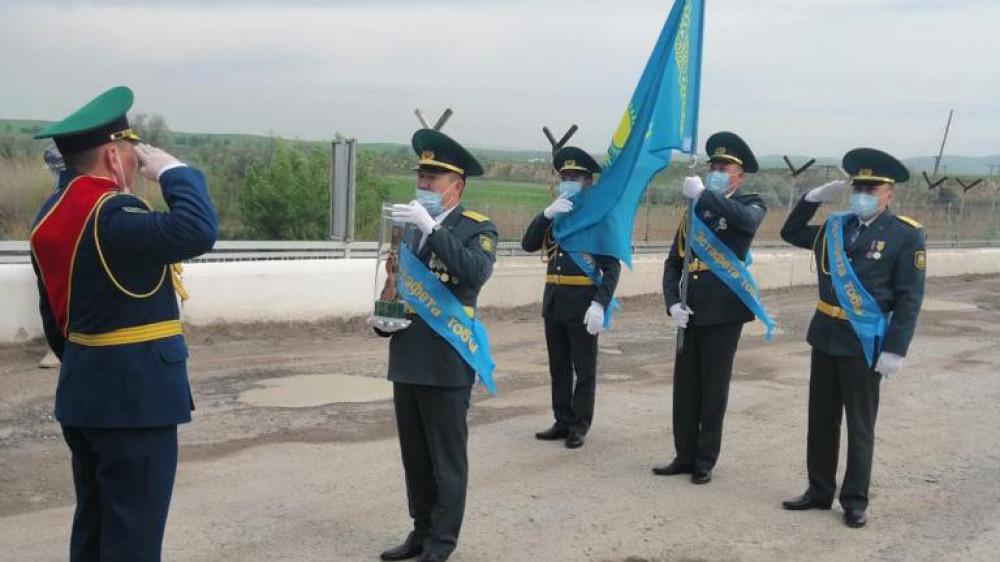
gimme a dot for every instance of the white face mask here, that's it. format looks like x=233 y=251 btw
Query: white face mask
x=120 y=173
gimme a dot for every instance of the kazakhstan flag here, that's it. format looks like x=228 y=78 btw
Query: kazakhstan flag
x=662 y=116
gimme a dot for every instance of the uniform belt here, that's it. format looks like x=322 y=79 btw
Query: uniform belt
x=831 y=311
x=697 y=265
x=471 y=312
x=133 y=334
x=577 y=280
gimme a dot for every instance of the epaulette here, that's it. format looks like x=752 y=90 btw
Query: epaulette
x=909 y=221
x=476 y=216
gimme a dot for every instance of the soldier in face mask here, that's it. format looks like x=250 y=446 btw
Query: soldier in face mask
x=573 y=305
x=432 y=377
x=871 y=265
x=714 y=316
x=108 y=301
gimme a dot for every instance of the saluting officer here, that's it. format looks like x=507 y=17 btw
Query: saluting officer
x=714 y=316
x=885 y=255
x=573 y=305
x=432 y=382
x=109 y=308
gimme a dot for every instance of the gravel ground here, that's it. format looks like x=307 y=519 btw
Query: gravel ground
x=325 y=482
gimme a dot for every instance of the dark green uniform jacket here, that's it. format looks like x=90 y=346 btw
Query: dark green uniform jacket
x=734 y=221
x=569 y=303
x=889 y=259
x=461 y=253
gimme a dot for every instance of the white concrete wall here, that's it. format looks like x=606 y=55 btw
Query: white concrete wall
x=306 y=290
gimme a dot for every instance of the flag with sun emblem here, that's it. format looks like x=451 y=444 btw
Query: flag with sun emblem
x=662 y=116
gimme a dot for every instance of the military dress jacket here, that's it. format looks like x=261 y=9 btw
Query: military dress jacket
x=889 y=259
x=563 y=299
x=461 y=253
x=124 y=362
x=734 y=220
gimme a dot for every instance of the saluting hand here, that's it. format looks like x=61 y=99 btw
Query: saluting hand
x=561 y=205
x=153 y=161
x=826 y=192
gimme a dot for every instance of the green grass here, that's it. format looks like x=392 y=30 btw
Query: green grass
x=481 y=194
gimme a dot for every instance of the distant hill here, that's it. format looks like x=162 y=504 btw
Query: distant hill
x=961 y=165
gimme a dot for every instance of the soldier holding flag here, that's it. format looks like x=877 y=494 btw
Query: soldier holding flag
x=715 y=311
x=579 y=288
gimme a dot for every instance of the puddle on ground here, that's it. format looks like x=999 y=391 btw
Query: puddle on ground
x=305 y=391
x=937 y=305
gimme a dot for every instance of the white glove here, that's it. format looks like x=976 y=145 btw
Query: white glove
x=681 y=314
x=153 y=161
x=889 y=364
x=693 y=187
x=826 y=192
x=559 y=206
x=388 y=325
x=415 y=213
x=594 y=318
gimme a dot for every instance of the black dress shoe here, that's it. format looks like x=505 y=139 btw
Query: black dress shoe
x=553 y=433
x=804 y=502
x=675 y=467
x=574 y=440
x=411 y=548
x=434 y=557
x=855 y=518
x=701 y=476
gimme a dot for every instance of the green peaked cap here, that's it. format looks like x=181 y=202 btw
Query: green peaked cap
x=102 y=120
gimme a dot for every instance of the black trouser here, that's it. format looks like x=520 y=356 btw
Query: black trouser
x=124 y=479
x=839 y=383
x=702 y=372
x=572 y=349
x=433 y=434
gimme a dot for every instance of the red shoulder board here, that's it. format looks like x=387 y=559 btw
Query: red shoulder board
x=56 y=237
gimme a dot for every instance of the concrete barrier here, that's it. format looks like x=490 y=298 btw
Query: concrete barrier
x=309 y=290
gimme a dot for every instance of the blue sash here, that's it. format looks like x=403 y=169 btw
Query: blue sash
x=861 y=308
x=728 y=268
x=435 y=304
x=587 y=266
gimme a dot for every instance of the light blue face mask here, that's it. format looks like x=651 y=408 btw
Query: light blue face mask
x=431 y=200
x=863 y=204
x=568 y=189
x=717 y=181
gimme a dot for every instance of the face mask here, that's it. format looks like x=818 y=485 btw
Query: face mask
x=121 y=172
x=431 y=200
x=568 y=189
x=863 y=204
x=717 y=181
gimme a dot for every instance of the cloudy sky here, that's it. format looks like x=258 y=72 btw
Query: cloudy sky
x=813 y=77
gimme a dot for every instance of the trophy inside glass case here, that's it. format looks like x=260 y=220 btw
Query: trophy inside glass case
x=390 y=310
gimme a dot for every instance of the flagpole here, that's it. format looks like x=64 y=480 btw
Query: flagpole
x=692 y=163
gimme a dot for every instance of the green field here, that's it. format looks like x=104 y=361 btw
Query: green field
x=481 y=193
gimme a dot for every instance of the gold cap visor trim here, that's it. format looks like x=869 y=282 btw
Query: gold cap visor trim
x=127 y=134
x=726 y=157
x=871 y=179
x=439 y=164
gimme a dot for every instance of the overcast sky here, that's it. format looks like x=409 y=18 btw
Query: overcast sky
x=813 y=77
